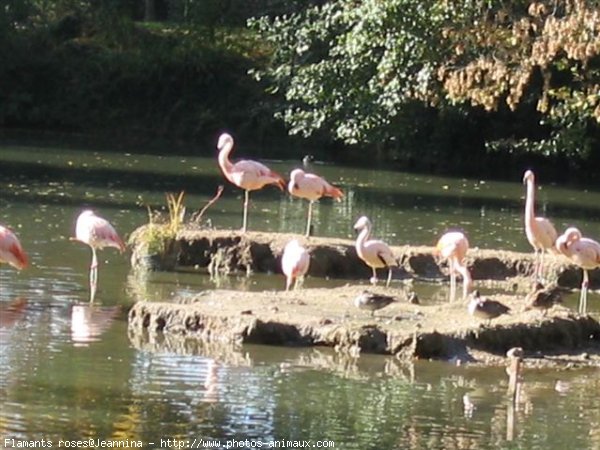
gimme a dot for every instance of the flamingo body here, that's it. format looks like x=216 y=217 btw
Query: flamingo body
x=375 y=253
x=246 y=174
x=453 y=246
x=540 y=232
x=11 y=251
x=294 y=262
x=98 y=233
x=311 y=187
x=582 y=251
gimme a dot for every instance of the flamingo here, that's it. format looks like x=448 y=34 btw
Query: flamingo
x=453 y=246
x=540 y=232
x=11 y=251
x=246 y=174
x=582 y=251
x=311 y=187
x=97 y=233
x=294 y=263
x=374 y=253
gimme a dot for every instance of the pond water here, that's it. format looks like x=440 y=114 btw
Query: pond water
x=71 y=371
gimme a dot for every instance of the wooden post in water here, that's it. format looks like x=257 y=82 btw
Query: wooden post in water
x=515 y=356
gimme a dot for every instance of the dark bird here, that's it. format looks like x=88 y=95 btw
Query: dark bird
x=543 y=298
x=484 y=308
x=372 y=302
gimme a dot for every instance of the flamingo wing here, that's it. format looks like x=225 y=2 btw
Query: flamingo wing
x=544 y=233
x=251 y=175
x=11 y=251
x=585 y=252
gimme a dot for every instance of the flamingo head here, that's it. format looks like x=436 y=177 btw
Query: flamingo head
x=528 y=177
x=572 y=234
x=224 y=140
x=362 y=223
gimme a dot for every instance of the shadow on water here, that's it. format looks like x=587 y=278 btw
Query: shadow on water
x=205 y=184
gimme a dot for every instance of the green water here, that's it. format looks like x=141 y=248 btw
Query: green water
x=71 y=371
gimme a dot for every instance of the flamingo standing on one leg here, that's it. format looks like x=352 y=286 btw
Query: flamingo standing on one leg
x=453 y=246
x=11 y=251
x=97 y=233
x=311 y=187
x=582 y=251
x=540 y=232
x=374 y=253
x=294 y=263
x=246 y=174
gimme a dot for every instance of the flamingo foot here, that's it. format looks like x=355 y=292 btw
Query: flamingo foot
x=373 y=280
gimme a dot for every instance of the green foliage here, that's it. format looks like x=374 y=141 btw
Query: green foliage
x=356 y=69
x=350 y=67
x=87 y=66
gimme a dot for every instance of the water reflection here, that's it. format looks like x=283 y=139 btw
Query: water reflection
x=89 y=321
x=72 y=369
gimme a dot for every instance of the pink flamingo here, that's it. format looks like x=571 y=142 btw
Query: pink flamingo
x=294 y=263
x=453 y=246
x=246 y=174
x=311 y=187
x=540 y=232
x=11 y=251
x=376 y=254
x=97 y=233
x=582 y=251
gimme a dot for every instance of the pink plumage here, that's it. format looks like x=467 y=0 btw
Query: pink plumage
x=375 y=253
x=582 y=251
x=11 y=251
x=294 y=262
x=311 y=187
x=97 y=233
x=453 y=246
x=246 y=174
x=540 y=232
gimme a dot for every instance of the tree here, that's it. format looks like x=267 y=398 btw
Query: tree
x=357 y=68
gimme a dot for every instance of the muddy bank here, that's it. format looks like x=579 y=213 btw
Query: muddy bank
x=226 y=251
x=327 y=317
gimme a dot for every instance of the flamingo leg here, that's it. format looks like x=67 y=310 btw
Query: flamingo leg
x=310 y=205
x=541 y=269
x=389 y=278
x=246 y=202
x=537 y=266
x=452 y=282
x=93 y=275
x=374 y=277
x=583 y=296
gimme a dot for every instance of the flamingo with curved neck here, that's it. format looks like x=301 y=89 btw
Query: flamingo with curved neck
x=453 y=246
x=246 y=174
x=375 y=253
x=584 y=252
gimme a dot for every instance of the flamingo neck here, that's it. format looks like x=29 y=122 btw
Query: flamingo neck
x=224 y=161
x=363 y=236
x=529 y=202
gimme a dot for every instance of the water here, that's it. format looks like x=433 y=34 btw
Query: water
x=70 y=370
